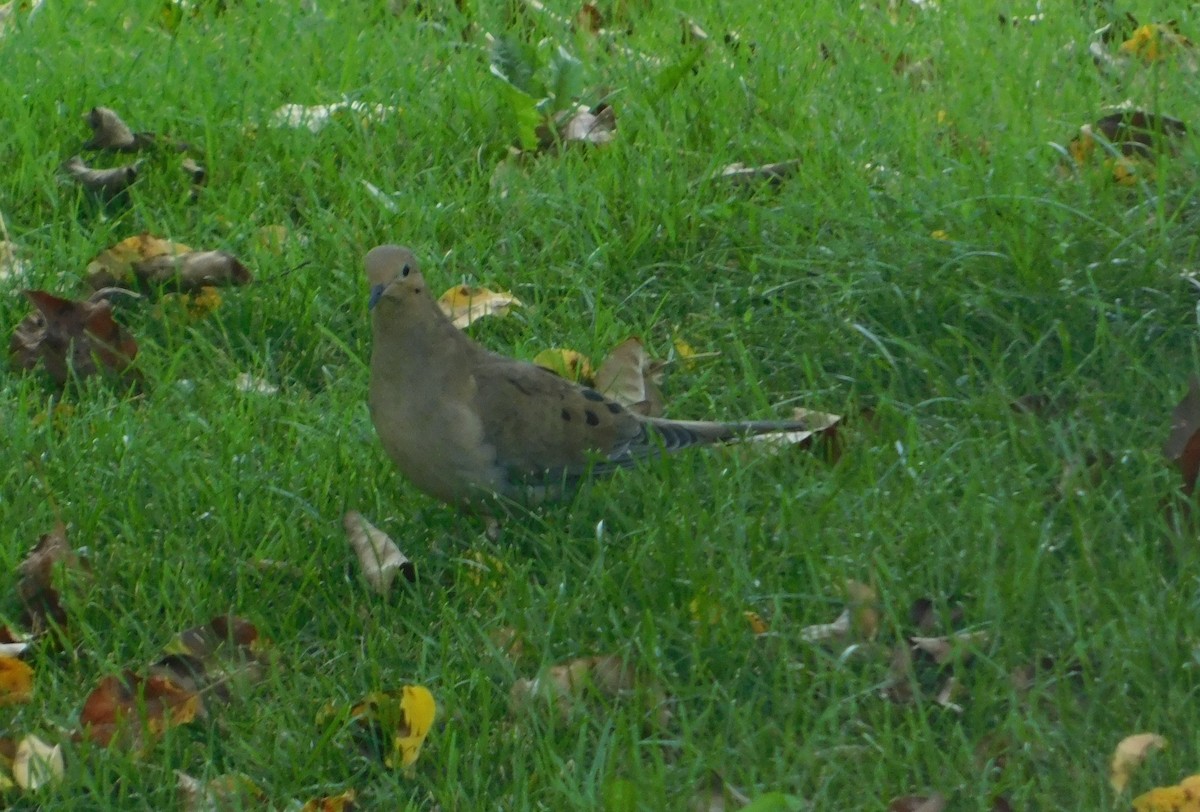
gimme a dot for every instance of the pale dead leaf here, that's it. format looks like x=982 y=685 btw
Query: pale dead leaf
x=820 y=424
x=630 y=377
x=836 y=630
x=246 y=382
x=944 y=649
x=37 y=763
x=1129 y=755
x=741 y=175
x=945 y=696
x=379 y=556
x=463 y=304
x=316 y=117
x=918 y=803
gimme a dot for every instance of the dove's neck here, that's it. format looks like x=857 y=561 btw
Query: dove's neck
x=409 y=341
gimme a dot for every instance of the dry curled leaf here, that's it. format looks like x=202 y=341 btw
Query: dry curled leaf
x=192 y=271
x=463 y=304
x=564 y=686
x=332 y=803
x=69 y=337
x=107 y=183
x=1129 y=755
x=630 y=377
x=380 y=558
x=224 y=792
x=214 y=657
x=114 y=266
x=1129 y=133
x=111 y=133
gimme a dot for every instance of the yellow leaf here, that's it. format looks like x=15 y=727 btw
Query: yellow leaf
x=334 y=803
x=464 y=304
x=569 y=364
x=16 y=681
x=1154 y=41
x=115 y=264
x=939 y=234
x=1130 y=754
x=418 y=708
x=757 y=624
x=1182 y=798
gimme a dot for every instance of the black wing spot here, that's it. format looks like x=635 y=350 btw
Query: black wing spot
x=613 y=407
x=592 y=394
x=592 y=418
x=566 y=415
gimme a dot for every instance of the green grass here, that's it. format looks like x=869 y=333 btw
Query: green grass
x=829 y=291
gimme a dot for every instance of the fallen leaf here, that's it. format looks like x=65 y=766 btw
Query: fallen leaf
x=629 y=376
x=224 y=793
x=564 y=685
x=1129 y=133
x=827 y=631
x=332 y=803
x=380 y=558
x=315 y=118
x=114 y=265
x=757 y=624
x=133 y=711
x=588 y=19
x=1185 y=797
x=1183 y=443
x=111 y=133
x=36 y=763
x=580 y=125
x=71 y=338
x=245 y=382
x=774 y=174
x=1129 y=755
x=1155 y=41
x=403 y=718
x=16 y=682
x=568 y=364
x=192 y=271
x=214 y=657
x=11 y=264
x=463 y=304
x=107 y=183
x=918 y=803
x=863 y=603
x=12 y=644
x=821 y=425
x=944 y=649
x=41 y=600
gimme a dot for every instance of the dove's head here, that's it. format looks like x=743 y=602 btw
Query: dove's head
x=392 y=272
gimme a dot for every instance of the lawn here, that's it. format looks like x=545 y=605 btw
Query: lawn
x=1005 y=331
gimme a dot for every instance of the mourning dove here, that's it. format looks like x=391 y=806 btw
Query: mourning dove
x=463 y=423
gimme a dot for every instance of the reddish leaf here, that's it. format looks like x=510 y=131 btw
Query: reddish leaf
x=134 y=711
x=71 y=338
x=1183 y=444
x=43 y=605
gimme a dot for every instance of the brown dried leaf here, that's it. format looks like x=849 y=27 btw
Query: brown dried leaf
x=132 y=711
x=16 y=682
x=1183 y=443
x=1133 y=133
x=213 y=657
x=564 y=685
x=71 y=338
x=108 y=183
x=945 y=649
x=42 y=602
x=630 y=377
x=192 y=271
x=588 y=19
x=224 y=792
x=380 y=558
x=114 y=266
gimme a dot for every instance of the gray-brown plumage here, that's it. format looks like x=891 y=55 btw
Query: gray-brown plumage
x=463 y=423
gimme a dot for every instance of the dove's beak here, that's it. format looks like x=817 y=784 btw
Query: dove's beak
x=376 y=292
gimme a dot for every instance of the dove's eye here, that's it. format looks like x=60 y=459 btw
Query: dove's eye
x=404 y=271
